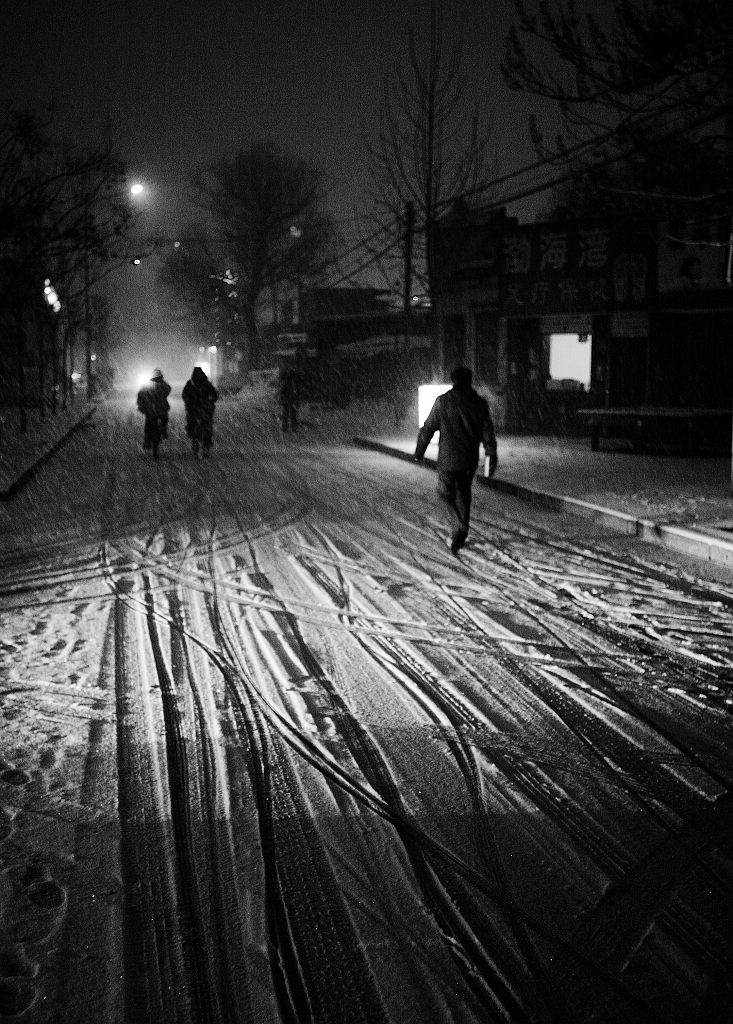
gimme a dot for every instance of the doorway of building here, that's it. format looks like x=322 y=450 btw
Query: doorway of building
x=628 y=373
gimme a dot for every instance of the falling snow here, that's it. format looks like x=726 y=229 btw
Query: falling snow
x=270 y=752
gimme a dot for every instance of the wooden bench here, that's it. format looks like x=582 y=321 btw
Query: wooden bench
x=679 y=426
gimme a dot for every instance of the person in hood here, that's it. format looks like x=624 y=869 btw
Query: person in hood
x=199 y=399
x=152 y=402
x=462 y=416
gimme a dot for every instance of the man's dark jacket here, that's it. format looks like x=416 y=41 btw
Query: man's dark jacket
x=152 y=398
x=199 y=396
x=462 y=416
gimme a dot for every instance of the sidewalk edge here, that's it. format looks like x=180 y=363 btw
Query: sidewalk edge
x=679 y=538
x=30 y=471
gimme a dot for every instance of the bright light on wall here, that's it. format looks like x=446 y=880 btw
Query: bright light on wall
x=570 y=358
x=426 y=395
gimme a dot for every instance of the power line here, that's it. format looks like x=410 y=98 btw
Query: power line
x=361 y=244
x=576 y=151
x=616 y=158
x=367 y=263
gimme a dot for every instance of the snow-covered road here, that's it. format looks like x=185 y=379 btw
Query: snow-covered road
x=270 y=753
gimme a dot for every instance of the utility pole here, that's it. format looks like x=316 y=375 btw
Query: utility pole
x=407 y=284
x=729 y=266
x=88 y=321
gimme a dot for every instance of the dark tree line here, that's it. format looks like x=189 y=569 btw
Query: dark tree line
x=63 y=220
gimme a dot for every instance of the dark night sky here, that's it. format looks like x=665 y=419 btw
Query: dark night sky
x=184 y=82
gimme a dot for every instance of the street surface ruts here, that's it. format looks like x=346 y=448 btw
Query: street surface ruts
x=353 y=778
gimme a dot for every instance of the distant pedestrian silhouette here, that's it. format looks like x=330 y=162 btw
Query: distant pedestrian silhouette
x=289 y=399
x=462 y=416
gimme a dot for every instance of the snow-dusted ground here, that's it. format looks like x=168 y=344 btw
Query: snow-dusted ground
x=666 y=489
x=19 y=451
x=270 y=753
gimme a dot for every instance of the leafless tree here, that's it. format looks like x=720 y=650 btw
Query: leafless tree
x=644 y=99
x=269 y=229
x=430 y=148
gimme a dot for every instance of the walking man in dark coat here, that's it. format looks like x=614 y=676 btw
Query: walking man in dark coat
x=152 y=401
x=199 y=398
x=462 y=416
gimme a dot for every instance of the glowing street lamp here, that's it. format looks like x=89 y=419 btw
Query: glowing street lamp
x=212 y=353
x=137 y=189
x=51 y=297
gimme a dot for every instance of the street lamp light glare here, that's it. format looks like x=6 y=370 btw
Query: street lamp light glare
x=137 y=189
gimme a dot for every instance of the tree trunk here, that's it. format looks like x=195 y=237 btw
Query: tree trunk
x=20 y=355
x=54 y=370
x=71 y=369
x=41 y=337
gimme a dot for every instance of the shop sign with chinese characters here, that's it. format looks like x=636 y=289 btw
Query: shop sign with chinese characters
x=576 y=267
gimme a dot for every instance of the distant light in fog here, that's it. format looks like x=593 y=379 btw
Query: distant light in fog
x=137 y=189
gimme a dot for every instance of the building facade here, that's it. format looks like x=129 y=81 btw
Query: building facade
x=561 y=316
x=351 y=343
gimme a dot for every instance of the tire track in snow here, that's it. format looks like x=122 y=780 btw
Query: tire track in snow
x=632 y=888
x=308 y=923
x=477 y=881
x=611 y=563
x=171 y=791
x=597 y=843
x=369 y=759
x=451 y=716
x=156 y=975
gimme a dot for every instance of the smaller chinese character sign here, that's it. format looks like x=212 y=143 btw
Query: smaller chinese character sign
x=576 y=267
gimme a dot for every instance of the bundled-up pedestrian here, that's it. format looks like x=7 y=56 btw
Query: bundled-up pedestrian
x=462 y=416
x=199 y=398
x=152 y=401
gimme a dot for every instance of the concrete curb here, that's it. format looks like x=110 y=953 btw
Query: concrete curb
x=709 y=547
x=30 y=471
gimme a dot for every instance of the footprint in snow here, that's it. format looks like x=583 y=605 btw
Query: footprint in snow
x=15 y=777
